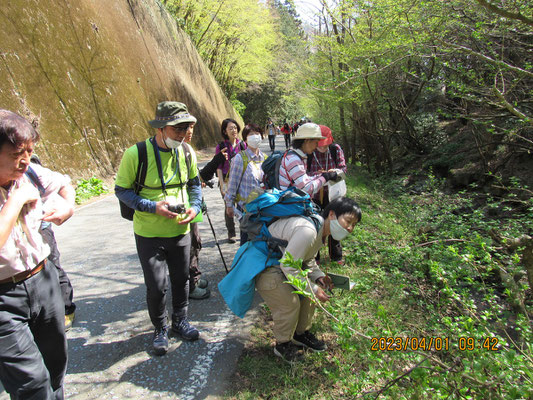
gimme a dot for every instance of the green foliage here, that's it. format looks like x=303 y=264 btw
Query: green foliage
x=281 y=97
x=412 y=282
x=386 y=72
x=87 y=188
x=256 y=51
x=234 y=37
x=299 y=281
x=238 y=105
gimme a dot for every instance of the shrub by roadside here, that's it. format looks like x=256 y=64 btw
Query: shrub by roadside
x=429 y=290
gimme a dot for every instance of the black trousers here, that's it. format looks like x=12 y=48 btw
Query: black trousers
x=334 y=246
x=287 y=138
x=159 y=256
x=33 y=347
x=272 y=141
x=196 y=246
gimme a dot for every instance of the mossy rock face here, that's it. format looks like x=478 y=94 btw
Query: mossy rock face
x=92 y=74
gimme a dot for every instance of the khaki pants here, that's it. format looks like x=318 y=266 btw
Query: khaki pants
x=290 y=312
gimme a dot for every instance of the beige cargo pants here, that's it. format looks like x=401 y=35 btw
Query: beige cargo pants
x=290 y=312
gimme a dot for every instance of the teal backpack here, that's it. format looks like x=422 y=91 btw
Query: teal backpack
x=273 y=205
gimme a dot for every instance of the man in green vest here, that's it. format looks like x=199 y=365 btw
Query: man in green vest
x=169 y=199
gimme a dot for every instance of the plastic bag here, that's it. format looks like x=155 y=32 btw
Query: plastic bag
x=337 y=189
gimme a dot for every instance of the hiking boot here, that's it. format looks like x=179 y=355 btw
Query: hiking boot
x=182 y=328
x=202 y=283
x=198 y=293
x=160 y=342
x=69 y=320
x=310 y=341
x=231 y=239
x=288 y=352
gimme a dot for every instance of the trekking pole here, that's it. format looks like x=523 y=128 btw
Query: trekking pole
x=204 y=209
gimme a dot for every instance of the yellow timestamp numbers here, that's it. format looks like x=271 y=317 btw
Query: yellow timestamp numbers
x=470 y=343
x=432 y=343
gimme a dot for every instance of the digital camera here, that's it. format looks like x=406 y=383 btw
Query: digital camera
x=176 y=208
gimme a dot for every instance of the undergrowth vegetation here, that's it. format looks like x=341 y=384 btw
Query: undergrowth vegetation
x=440 y=289
x=88 y=188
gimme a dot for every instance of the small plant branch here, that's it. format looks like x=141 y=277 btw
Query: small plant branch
x=433 y=242
x=398 y=378
x=319 y=305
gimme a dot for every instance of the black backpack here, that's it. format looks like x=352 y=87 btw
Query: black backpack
x=126 y=211
x=271 y=166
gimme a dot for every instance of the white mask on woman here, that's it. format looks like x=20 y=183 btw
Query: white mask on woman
x=337 y=231
x=253 y=141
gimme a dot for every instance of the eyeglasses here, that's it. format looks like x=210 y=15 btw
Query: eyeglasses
x=232 y=128
x=182 y=128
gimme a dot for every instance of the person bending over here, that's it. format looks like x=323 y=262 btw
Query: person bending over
x=292 y=314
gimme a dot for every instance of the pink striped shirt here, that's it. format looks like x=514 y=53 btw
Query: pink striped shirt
x=292 y=172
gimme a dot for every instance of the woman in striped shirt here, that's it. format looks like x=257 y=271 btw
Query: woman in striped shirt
x=327 y=156
x=292 y=171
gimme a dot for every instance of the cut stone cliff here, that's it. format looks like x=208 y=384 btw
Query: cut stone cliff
x=92 y=73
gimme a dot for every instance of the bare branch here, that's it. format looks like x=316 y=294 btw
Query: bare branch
x=513 y=110
x=505 y=13
x=490 y=60
x=433 y=242
x=395 y=380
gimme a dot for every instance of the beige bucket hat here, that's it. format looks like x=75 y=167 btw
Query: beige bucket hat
x=309 y=131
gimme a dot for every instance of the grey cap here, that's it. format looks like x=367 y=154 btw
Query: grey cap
x=171 y=113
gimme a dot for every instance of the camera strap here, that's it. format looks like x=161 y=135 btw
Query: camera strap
x=186 y=153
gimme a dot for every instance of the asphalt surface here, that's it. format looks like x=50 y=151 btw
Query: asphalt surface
x=110 y=354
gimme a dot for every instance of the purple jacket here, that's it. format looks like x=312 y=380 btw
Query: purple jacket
x=232 y=152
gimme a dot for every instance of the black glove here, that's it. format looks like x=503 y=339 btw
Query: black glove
x=210 y=169
x=329 y=176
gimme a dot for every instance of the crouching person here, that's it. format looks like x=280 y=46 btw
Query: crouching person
x=33 y=348
x=292 y=314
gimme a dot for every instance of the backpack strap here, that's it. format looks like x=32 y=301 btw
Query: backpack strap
x=142 y=167
x=30 y=173
x=164 y=186
x=282 y=160
x=245 y=162
x=333 y=152
x=187 y=154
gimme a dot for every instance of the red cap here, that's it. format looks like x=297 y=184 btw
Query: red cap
x=328 y=137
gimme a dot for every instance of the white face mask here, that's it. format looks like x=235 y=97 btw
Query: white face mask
x=337 y=231
x=173 y=144
x=253 y=141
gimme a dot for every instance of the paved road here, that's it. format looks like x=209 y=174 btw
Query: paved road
x=110 y=343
